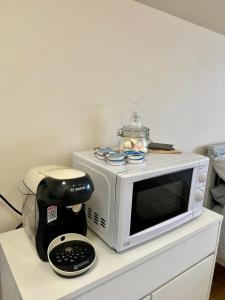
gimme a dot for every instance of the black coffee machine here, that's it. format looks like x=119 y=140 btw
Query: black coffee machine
x=54 y=204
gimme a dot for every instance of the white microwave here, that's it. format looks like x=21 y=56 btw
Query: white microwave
x=135 y=203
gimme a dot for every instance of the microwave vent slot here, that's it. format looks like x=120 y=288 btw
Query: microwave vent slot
x=89 y=213
x=95 y=217
x=102 y=223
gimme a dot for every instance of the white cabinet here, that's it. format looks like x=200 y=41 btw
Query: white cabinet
x=175 y=266
x=193 y=284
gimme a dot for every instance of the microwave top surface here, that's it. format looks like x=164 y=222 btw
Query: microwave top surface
x=152 y=162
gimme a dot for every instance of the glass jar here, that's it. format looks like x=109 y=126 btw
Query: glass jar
x=133 y=138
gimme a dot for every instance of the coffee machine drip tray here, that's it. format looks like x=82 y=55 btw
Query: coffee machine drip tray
x=71 y=254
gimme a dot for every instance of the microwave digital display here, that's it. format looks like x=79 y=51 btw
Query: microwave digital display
x=159 y=199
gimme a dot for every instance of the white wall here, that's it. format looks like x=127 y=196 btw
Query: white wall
x=71 y=69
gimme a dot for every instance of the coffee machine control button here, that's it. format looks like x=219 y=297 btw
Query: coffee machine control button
x=76 y=208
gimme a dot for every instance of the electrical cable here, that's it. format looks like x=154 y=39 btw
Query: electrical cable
x=10 y=205
x=19 y=225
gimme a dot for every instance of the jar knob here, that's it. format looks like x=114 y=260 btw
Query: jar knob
x=119 y=132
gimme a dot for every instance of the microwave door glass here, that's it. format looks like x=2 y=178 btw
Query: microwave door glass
x=159 y=199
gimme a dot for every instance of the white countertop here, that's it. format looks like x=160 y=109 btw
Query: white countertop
x=36 y=280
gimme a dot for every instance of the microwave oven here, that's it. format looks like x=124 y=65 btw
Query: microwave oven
x=134 y=203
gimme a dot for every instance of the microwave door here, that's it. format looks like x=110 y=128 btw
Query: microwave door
x=159 y=199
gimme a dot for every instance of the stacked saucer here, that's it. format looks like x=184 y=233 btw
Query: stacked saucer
x=101 y=152
x=115 y=159
x=134 y=157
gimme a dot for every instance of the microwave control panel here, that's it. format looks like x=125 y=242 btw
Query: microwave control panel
x=200 y=185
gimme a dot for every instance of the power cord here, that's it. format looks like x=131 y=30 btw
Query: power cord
x=10 y=205
x=13 y=208
x=20 y=225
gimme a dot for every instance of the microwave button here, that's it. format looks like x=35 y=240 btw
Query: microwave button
x=202 y=177
x=199 y=196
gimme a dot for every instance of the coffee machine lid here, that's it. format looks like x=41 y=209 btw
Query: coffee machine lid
x=35 y=175
x=63 y=173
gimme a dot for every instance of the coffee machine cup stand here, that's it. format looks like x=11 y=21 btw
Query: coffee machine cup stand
x=54 y=217
x=71 y=254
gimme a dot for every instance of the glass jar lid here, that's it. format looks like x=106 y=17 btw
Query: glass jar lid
x=128 y=131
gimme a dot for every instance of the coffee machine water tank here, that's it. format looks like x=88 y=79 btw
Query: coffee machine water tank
x=54 y=204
